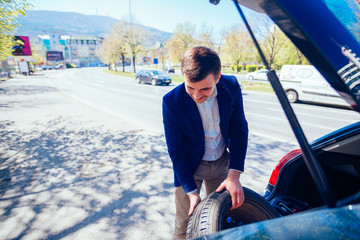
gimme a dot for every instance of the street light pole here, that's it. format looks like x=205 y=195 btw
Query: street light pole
x=130 y=10
x=131 y=57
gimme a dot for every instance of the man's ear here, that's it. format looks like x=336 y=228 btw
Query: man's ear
x=218 y=78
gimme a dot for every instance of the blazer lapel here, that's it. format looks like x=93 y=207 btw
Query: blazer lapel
x=194 y=113
x=224 y=107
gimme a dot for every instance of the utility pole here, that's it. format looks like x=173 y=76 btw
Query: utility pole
x=132 y=62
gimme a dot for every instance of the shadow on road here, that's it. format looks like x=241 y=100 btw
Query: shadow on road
x=64 y=176
x=64 y=180
x=91 y=182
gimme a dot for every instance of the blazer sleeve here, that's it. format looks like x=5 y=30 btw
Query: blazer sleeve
x=177 y=149
x=238 y=133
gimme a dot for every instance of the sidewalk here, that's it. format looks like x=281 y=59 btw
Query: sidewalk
x=77 y=174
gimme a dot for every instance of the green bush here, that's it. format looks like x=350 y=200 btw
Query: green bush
x=238 y=69
x=251 y=68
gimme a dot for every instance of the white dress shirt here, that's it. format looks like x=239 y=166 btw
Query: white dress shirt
x=210 y=116
x=214 y=141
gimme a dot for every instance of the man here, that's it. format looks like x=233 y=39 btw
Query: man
x=203 y=117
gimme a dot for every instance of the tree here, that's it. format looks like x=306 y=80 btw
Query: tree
x=273 y=39
x=237 y=45
x=289 y=54
x=119 y=43
x=124 y=38
x=9 y=10
x=182 y=40
x=37 y=53
x=135 y=37
x=205 y=37
x=107 y=51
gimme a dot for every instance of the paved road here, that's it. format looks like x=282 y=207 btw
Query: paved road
x=125 y=98
x=83 y=156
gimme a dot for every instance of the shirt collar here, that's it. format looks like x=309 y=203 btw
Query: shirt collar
x=213 y=95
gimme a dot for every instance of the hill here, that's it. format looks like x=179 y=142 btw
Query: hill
x=70 y=23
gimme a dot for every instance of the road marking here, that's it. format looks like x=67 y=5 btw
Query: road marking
x=258 y=133
x=259 y=101
x=307 y=107
x=323 y=108
x=285 y=120
x=317 y=116
x=265 y=116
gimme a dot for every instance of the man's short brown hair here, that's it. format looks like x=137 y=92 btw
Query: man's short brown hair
x=199 y=62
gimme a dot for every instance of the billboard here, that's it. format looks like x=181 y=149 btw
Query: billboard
x=22 y=46
x=54 y=55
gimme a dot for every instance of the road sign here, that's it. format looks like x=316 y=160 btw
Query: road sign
x=156 y=61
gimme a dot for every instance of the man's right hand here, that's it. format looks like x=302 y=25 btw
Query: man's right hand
x=194 y=201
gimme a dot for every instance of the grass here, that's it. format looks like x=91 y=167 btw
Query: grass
x=230 y=71
x=178 y=79
x=260 y=87
x=121 y=73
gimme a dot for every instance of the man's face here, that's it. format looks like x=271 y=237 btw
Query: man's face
x=200 y=91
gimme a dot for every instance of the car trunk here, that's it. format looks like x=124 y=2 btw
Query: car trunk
x=331 y=49
x=339 y=157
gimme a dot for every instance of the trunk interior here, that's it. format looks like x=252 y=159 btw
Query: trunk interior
x=296 y=191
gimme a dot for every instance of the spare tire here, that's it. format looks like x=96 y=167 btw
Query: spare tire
x=213 y=214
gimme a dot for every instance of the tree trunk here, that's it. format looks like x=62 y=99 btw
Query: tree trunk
x=134 y=63
x=123 y=62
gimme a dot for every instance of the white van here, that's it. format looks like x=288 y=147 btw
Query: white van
x=305 y=83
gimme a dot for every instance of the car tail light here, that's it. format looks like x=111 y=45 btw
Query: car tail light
x=282 y=162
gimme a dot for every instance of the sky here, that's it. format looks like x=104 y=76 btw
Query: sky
x=160 y=14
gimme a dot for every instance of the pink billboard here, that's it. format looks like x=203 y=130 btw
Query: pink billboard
x=22 y=46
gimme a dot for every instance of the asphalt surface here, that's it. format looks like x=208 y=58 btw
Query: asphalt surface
x=70 y=170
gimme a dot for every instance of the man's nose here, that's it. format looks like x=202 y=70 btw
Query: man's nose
x=197 y=95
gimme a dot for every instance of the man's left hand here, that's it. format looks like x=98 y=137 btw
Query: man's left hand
x=233 y=185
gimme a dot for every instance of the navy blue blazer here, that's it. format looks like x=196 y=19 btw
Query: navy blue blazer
x=184 y=131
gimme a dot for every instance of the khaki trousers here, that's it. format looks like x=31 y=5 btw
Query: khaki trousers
x=212 y=174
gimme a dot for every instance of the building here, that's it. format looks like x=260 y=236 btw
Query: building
x=79 y=50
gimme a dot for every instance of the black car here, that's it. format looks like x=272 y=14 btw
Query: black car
x=155 y=77
x=169 y=69
x=314 y=192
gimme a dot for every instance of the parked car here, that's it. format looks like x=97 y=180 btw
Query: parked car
x=314 y=192
x=169 y=69
x=60 y=66
x=38 y=69
x=155 y=77
x=45 y=67
x=305 y=83
x=258 y=75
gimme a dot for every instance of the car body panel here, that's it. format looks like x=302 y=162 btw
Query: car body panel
x=258 y=75
x=169 y=69
x=309 y=84
x=338 y=223
x=148 y=75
